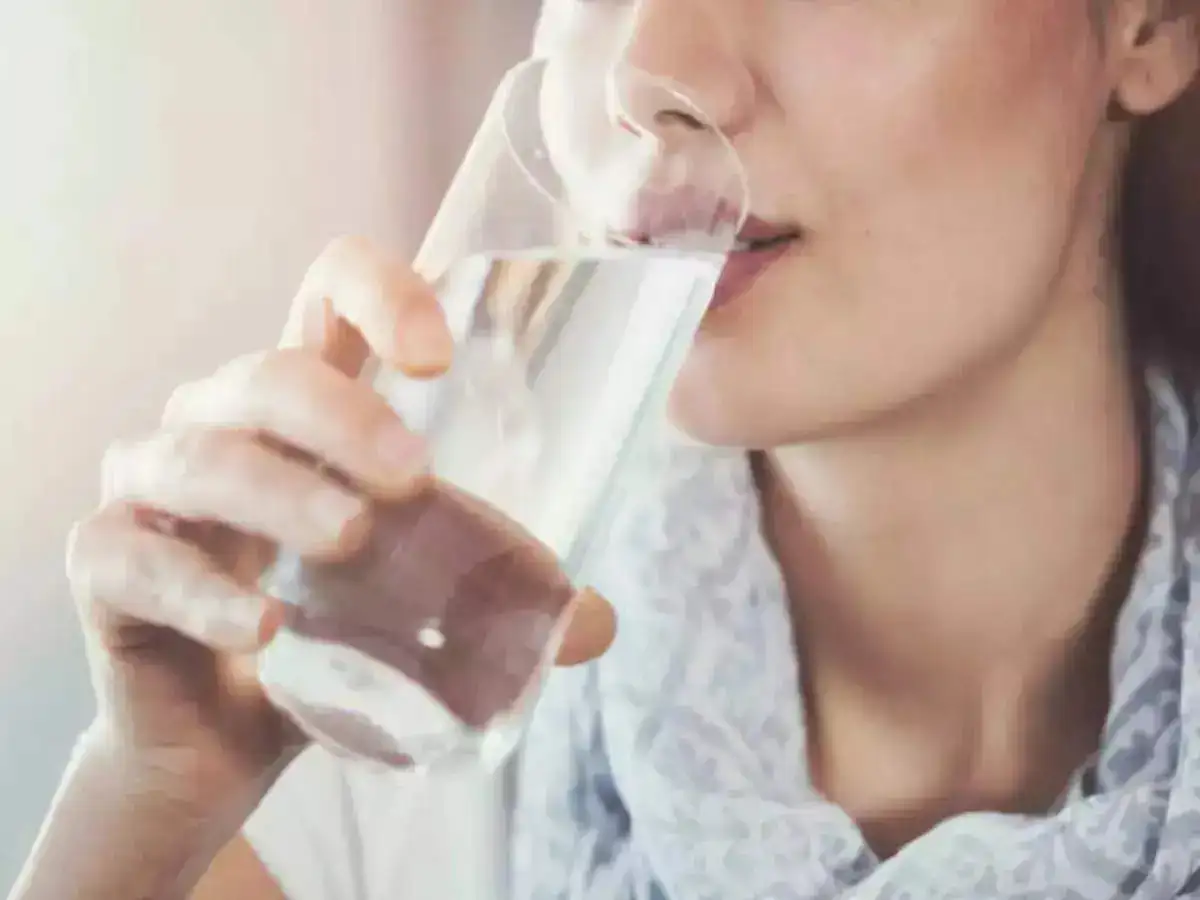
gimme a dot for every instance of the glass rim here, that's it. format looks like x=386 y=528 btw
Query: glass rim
x=665 y=243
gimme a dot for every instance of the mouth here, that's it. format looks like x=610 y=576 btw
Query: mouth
x=759 y=236
x=757 y=246
x=760 y=244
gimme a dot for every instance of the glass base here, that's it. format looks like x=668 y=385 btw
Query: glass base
x=358 y=707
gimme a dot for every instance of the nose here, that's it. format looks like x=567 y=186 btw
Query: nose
x=700 y=81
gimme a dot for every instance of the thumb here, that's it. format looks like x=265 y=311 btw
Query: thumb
x=591 y=630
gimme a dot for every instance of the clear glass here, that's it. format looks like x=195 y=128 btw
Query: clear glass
x=573 y=297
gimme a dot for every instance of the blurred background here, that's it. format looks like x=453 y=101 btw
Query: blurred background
x=167 y=171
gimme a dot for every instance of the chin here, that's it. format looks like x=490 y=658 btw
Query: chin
x=706 y=419
x=765 y=424
x=755 y=380
x=732 y=402
x=731 y=393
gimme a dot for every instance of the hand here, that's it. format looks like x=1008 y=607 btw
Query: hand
x=166 y=571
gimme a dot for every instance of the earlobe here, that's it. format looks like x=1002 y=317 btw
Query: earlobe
x=1159 y=59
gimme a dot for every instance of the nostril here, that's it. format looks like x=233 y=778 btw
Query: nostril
x=680 y=117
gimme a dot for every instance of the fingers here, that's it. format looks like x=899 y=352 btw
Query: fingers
x=301 y=402
x=395 y=312
x=353 y=302
x=229 y=477
x=122 y=573
x=592 y=629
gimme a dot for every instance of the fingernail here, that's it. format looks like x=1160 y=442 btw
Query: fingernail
x=426 y=344
x=335 y=510
x=400 y=449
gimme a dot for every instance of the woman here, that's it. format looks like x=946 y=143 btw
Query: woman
x=922 y=628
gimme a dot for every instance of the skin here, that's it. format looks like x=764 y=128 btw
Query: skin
x=932 y=368
x=928 y=375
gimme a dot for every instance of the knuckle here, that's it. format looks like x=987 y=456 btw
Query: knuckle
x=295 y=389
x=184 y=453
x=257 y=381
x=148 y=470
x=221 y=397
x=180 y=404
x=245 y=371
x=224 y=451
x=251 y=377
x=251 y=391
x=224 y=470
x=105 y=560
x=137 y=571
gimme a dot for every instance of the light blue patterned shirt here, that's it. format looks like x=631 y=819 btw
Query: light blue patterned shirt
x=674 y=768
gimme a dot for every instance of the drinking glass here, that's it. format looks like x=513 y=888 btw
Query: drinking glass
x=574 y=256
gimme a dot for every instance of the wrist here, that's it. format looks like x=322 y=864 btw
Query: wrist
x=125 y=827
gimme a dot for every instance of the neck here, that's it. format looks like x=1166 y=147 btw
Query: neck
x=955 y=559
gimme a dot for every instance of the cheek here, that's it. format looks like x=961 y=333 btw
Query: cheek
x=939 y=175
x=877 y=104
x=944 y=154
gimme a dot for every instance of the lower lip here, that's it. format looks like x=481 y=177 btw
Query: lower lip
x=742 y=269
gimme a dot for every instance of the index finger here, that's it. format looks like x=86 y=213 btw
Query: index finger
x=391 y=312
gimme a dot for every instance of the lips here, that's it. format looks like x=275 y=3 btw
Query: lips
x=760 y=244
x=656 y=218
x=758 y=234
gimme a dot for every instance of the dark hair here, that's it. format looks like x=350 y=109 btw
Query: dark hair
x=1159 y=233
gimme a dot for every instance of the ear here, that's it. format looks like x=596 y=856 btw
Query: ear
x=1155 y=46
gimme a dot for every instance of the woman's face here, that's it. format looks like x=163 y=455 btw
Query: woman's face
x=945 y=164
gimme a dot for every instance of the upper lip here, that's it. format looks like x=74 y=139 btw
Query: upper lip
x=652 y=215
x=758 y=234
